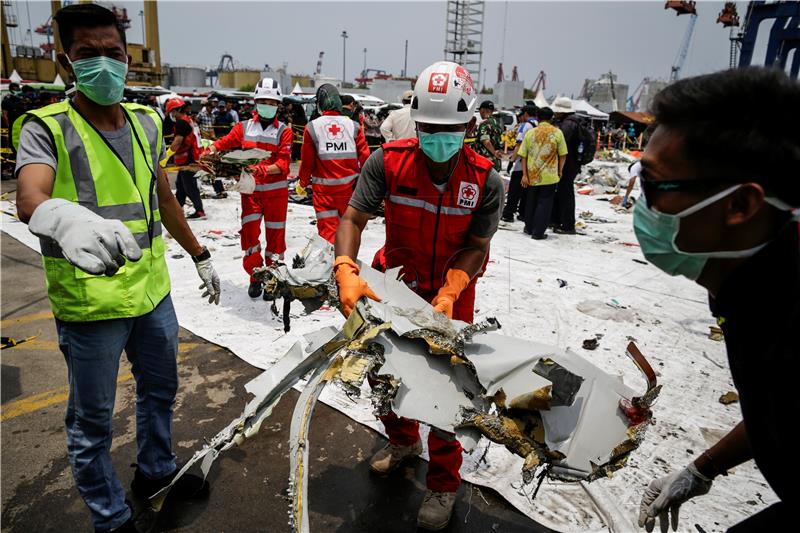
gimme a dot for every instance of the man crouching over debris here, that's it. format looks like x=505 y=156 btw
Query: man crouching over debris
x=443 y=204
x=720 y=197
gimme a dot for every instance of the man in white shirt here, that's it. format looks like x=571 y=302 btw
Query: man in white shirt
x=398 y=125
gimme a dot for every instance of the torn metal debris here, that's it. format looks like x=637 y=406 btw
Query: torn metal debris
x=551 y=407
x=309 y=278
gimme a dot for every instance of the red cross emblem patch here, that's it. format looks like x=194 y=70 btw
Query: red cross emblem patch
x=334 y=132
x=467 y=195
x=438 y=82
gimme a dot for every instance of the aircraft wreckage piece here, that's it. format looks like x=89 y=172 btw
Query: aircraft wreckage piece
x=309 y=278
x=268 y=389
x=549 y=406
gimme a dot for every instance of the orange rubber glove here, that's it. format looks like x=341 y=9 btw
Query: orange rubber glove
x=456 y=281
x=351 y=285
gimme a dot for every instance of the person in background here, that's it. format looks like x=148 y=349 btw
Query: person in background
x=719 y=206
x=91 y=189
x=563 y=215
x=185 y=151
x=351 y=108
x=224 y=120
x=543 y=154
x=334 y=150
x=398 y=125
x=515 y=201
x=489 y=135
x=230 y=108
x=348 y=105
x=372 y=130
x=205 y=120
x=269 y=202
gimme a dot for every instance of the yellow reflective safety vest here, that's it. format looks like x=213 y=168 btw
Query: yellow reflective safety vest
x=91 y=174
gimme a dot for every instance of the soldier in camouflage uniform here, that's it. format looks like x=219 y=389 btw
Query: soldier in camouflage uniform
x=490 y=132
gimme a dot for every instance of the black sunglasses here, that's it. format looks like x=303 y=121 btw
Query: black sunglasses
x=651 y=188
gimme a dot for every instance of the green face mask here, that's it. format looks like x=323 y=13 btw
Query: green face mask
x=266 y=111
x=657 y=234
x=101 y=79
x=442 y=146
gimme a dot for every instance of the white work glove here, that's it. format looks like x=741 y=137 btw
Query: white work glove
x=210 y=280
x=665 y=495
x=88 y=241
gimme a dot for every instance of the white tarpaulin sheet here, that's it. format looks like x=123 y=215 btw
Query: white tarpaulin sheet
x=607 y=294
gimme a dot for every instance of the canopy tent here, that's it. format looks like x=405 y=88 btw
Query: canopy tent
x=15 y=77
x=540 y=100
x=297 y=89
x=584 y=108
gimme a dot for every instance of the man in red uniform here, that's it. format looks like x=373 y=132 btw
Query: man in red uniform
x=185 y=151
x=334 y=149
x=271 y=197
x=443 y=203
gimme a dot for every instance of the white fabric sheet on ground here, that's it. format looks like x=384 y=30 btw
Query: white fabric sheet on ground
x=607 y=293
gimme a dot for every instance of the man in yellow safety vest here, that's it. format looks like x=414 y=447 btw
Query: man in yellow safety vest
x=90 y=187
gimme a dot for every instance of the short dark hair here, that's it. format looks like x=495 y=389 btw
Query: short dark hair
x=12 y=85
x=723 y=131
x=544 y=113
x=487 y=104
x=347 y=99
x=84 y=16
x=530 y=109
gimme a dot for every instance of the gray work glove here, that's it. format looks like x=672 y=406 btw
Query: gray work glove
x=665 y=495
x=210 y=280
x=88 y=241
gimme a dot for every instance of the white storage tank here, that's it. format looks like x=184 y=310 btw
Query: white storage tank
x=187 y=76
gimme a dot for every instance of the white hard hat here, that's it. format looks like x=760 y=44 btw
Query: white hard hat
x=444 y=94
x=267 y=88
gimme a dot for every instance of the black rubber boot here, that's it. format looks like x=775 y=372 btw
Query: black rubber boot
x=255 y=289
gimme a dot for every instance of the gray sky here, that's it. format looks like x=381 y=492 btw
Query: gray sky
x=570 y=41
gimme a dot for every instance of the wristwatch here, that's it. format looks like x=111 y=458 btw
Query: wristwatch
x=202 y=256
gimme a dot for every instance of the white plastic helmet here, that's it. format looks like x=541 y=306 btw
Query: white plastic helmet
x=267 y=88
x=444 y=94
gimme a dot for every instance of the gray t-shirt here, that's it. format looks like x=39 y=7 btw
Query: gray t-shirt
x=371 y=190
x=36 y=146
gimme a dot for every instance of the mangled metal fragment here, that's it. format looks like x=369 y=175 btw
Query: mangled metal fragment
x=268 y=388
x=551 y=407
x=230 y=164
x=308 y=279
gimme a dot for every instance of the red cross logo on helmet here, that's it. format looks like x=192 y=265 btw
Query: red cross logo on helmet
x=438 y=82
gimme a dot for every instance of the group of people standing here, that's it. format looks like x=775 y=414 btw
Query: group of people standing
x=552 y=145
